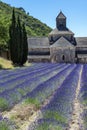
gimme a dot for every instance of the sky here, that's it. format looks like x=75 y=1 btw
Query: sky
x=47 y=11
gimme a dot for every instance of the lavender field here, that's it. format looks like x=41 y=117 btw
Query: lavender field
x=44 y=96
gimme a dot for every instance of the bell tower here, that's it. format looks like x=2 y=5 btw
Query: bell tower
x=61 y=21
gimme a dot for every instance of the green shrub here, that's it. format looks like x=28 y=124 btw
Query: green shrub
x=46 y=126
x=56 y=116
x=3 y=104
x=85 y=101
x=32 y=101
x=4 y=126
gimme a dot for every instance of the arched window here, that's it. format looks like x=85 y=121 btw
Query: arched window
x=63 y=57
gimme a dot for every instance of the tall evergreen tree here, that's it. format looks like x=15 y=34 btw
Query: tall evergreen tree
x=13 y=38
x=25 y=45
x=18 y=41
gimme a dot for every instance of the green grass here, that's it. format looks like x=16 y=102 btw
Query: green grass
x=21 y=91
x=4 y=126
x=32 y=101
x=85 y=123
x=5 y=64
x=84 y=102
x=51 y=126
x=46 y=126
x=3 y=104
x=56 y=116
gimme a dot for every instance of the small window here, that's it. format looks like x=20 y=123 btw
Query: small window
x=51 y=38
x=63 y=57
x=61 y=25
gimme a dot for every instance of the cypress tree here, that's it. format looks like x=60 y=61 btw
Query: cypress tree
x=18 y=41
x=12 y=41
x=24 y=45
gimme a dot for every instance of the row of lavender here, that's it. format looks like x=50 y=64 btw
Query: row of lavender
x=22 y=83
x=5 y=75
x=19 y=77
x=83 y=95
x=55 y=82
x=57 y=113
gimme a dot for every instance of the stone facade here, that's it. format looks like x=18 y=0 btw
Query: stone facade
x=62 y=53
x=60 y=46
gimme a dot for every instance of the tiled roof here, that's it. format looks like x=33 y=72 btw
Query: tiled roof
x=57 y=32
x=38 y=42
x=81 y=41
x=61 y=15
x=62 y=42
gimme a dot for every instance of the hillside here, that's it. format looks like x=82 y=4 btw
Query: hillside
x=34 y=26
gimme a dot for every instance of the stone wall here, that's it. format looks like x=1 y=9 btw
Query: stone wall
x=66 y=55
x=82 y=60
x=5 y=54
x=60 y=22
x=39 y=50
x=39 y=58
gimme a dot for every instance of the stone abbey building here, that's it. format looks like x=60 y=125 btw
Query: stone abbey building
x=60 y=46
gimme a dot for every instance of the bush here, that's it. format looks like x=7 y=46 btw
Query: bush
x=4 y=126
x=3 y=104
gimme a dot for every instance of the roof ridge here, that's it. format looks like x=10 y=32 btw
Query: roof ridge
x=61 y=15
x=56 y=31
x=60 y=41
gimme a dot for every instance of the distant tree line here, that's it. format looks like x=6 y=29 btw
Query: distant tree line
x=18 y=41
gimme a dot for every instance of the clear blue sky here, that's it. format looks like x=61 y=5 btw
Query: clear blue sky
x=47 y=10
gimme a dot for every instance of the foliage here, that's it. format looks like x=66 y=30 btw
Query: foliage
x=4 y=126
x=3 y=32
x=3 y=36
x=24 y=45
x=34 y=26
x=3 y=104
x=32 y=101
x=7 y=64
x=13 y=39
x=55 y=115
x=47 y=126
x=51 y=88
x=18 y=41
